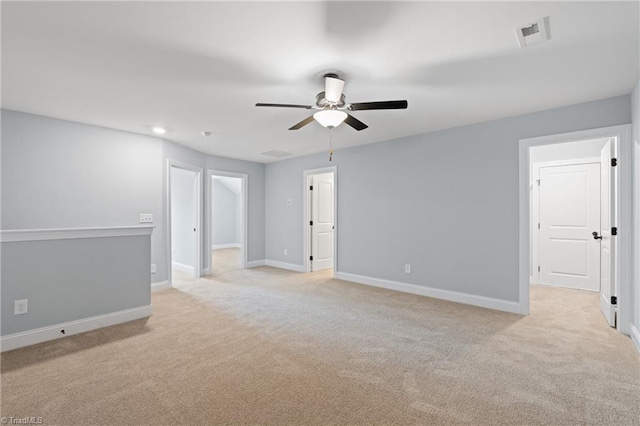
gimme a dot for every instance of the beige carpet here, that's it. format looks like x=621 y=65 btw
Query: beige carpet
x=275 y=347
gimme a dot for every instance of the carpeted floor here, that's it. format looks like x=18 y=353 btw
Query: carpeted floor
x=275 y=347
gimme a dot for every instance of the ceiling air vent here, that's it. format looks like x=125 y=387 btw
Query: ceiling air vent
x=276 y=153
x=534 y=32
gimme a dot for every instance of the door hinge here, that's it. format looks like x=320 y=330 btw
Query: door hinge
x=538 y=181
x=310 y=223
x=311 y=188
x=538 y=268
x=614 y=162
x=310 y=257
x=614 y=300
x=538 y=225
x=614 y=231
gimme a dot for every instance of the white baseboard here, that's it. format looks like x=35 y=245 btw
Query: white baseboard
x=182 y=267
x=283 y=265
x=39 y=335
x=635 y=336
x=225 y=246
x=452 y=296
x=160 y=285
x=255 y=263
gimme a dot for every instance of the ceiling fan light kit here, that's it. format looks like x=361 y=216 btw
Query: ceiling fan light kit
x=330 y=118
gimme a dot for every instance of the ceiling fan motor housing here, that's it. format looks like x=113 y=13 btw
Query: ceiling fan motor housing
x=321 y=101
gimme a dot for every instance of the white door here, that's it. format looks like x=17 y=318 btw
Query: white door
x=185 y=220
x=569 y=213
x=607 y=221
x=322 y=221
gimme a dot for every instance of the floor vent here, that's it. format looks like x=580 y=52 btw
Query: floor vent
x=534 y=32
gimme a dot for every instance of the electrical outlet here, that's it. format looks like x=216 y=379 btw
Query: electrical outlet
x=153 y=268
x=20 y=306
x=146 y=218
x=285 y=252
x=407 y=269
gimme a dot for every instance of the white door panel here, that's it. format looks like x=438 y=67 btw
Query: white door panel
x=570 y=257
x=325 y=246
x=607 y=248
x=569 y=213
x=325 y=204
x=322 y=217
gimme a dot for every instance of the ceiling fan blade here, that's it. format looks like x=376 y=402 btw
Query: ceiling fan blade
x=355 y=123
x=360 y=106
x=333 y=89
x=284 y=105
x=302 y=123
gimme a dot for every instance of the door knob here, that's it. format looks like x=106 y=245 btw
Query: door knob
x=596 y=236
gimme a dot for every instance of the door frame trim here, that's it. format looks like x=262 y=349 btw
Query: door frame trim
x=535 y=206
x=635 y=305
x=624 y=240
x=198 y=257
x=244 y=249
x=306 y=214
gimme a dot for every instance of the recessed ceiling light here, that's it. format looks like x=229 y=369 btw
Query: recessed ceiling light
x=205 y=133
x=159 y=130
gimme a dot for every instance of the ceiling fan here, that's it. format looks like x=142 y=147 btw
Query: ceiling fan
x=331 y=106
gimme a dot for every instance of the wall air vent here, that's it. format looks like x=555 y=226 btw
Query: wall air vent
x=534 y=32
x=275 y=153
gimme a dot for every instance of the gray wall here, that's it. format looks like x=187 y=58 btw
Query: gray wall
x=444 y=202
x=68 y=280
x=61 y=174
x=224 y=215
x=183 y=216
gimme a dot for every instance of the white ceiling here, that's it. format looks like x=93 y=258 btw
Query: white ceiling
x=202 y=66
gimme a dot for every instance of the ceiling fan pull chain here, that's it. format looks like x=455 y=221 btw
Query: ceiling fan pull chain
x=330 y=144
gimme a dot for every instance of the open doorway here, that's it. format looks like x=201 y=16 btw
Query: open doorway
x=319 y=218
x=574 y=196
x=565 y=211
x=570 y=212
x=184 y=221
x=227 y=217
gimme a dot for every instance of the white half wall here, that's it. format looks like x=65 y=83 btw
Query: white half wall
x=90 y=276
